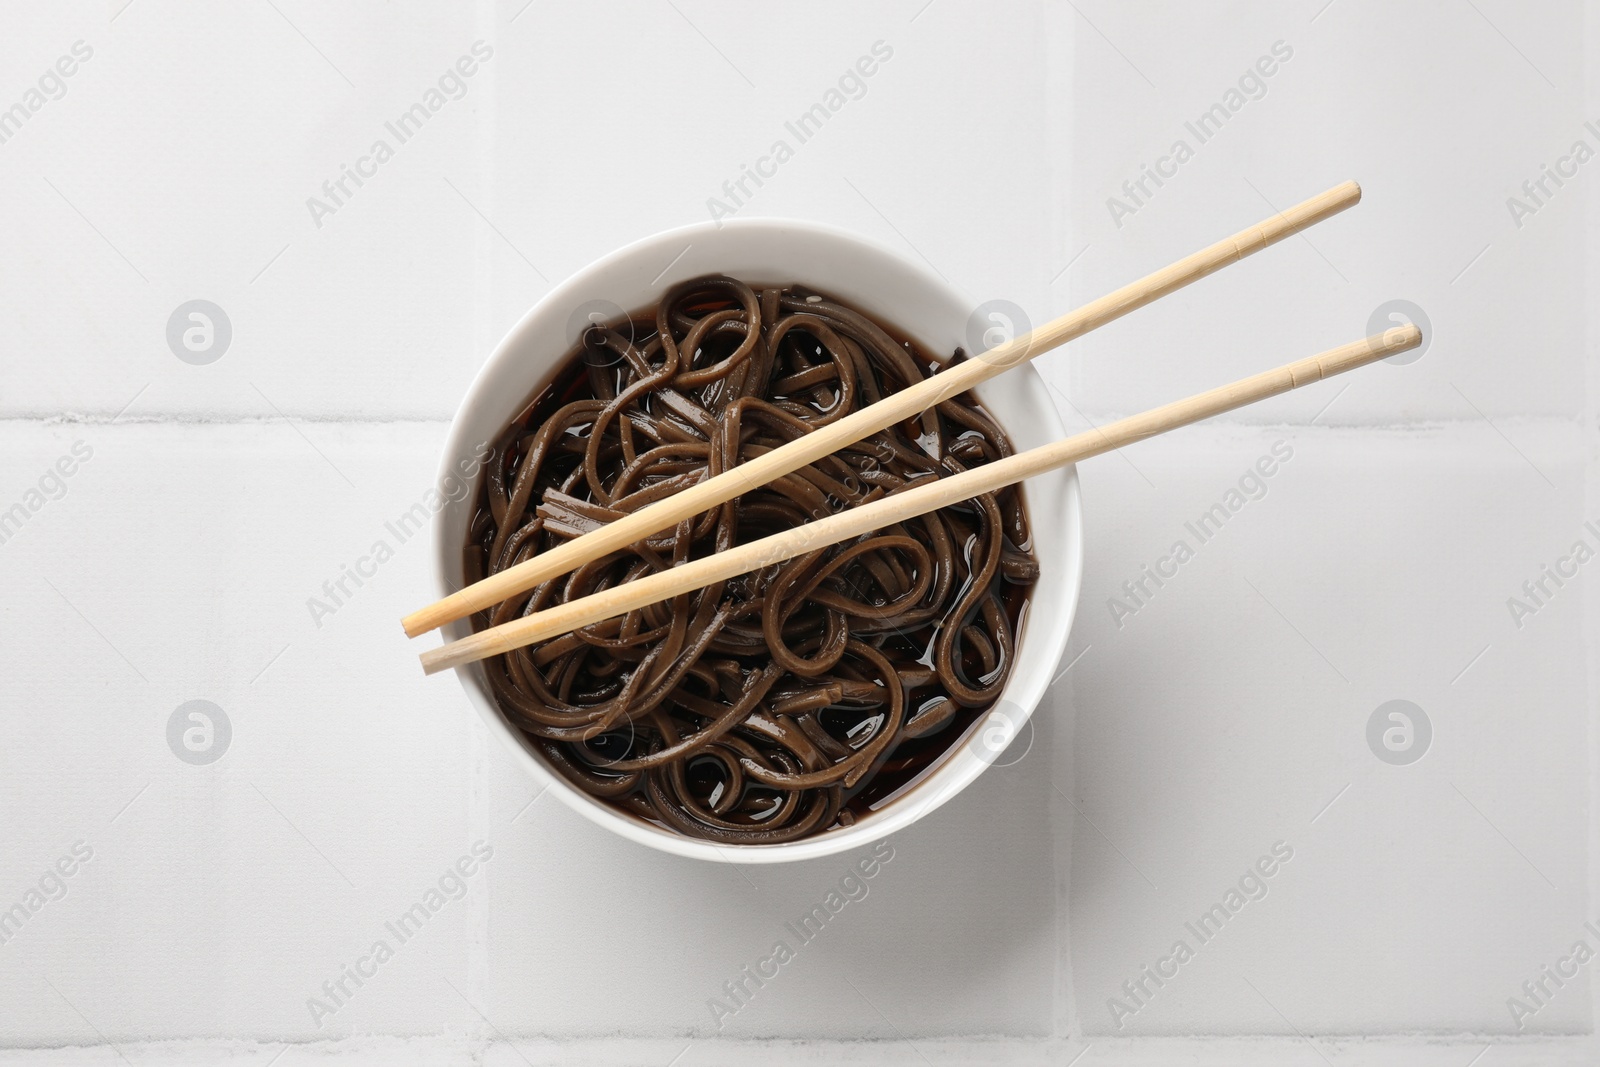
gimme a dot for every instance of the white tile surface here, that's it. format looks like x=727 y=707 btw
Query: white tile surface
x=1226 y=714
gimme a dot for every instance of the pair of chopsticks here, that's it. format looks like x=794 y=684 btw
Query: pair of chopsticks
x=888 y=510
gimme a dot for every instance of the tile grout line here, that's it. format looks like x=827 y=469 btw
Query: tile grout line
x=190 y=419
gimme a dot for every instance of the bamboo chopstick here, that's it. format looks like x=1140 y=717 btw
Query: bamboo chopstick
x=913 y=400
x=897 y=507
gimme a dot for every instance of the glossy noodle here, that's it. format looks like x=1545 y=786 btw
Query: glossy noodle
x=779 y=704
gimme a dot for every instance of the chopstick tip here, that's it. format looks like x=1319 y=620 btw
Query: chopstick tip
x=1403 y=337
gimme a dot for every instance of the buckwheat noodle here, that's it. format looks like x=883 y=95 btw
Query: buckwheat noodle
x=775 y=705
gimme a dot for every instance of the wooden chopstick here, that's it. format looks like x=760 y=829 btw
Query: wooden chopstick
x=897 y=507
x=952 y=381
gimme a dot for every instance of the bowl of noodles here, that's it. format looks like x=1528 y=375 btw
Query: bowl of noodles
x=824 y=702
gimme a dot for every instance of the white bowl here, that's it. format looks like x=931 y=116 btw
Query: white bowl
x=890 y=288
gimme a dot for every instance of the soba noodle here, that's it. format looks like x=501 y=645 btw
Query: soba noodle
x=779 y=704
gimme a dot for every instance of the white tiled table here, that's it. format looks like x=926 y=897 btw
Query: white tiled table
x=1225 y=715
